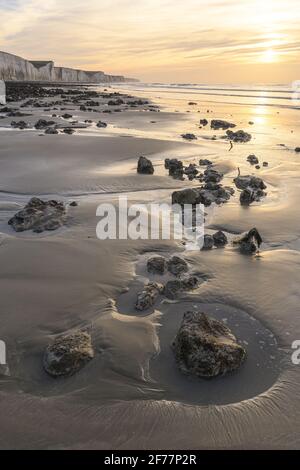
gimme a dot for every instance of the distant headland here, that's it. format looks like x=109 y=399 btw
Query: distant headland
x=16 y=68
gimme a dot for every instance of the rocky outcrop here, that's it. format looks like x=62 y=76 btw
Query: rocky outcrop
x=206 y=347
x=14 y=68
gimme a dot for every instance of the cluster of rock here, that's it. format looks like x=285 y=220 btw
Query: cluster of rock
x=248 y=242
x=39 y=216
x=252 y=189
x=183 y=281
x=238 y=136
x=206 y=347
x=253 y=160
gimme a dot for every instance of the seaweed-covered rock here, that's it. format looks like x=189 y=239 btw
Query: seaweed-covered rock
x=217 y=124
x=145 y=166
x=147 y=297
x=249 y=242
x=206 y=347
x=156 y=265
x=68 y=354
x=177 y=266
x=39 y=215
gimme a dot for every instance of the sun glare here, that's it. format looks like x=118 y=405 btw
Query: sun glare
x=269 y=56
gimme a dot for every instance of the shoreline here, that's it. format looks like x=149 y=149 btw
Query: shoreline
x=59 y=281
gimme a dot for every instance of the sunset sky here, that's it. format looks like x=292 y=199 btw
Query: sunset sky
x=211 y=41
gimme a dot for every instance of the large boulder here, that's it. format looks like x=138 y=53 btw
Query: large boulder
x=68 y=354
x=145 y=166
x=186 y=196
x=206 y=347
x=39 y=215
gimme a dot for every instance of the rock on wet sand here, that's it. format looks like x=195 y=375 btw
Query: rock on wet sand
x=206 y=347
x=68 y=354
x=39 y=216
x=145 y=166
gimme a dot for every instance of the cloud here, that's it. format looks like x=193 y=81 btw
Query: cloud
x=123 y=36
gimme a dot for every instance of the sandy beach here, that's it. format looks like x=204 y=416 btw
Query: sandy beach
x=132 y=395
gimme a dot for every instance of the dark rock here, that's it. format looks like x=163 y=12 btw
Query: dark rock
x=73 y=204
x=297 y=149
x=211 y=175
x=67 y=116
x=252 y=159
x=177 y=266
x=238 y=136
x=175 y=167
x=265 y=164
x=68 y=354
x=249 y=181
x=51 y=130
x=204 y=162
x=203 y=122
x=68 y=130
x=208 y=242
x=20 y=125
x=145 y=166
x=249 y=242
x=220 y=239
x=82 y=108
x=101 y=124
x=174 y=287
x=189 y=136
x=39 y=215
x=217 y=124
x=186 y=196
x=257 y=167
x=42 y=123
x=206 y=347
x=148 y=296
x=156 y=265
x=192 y=103
x=191 y=171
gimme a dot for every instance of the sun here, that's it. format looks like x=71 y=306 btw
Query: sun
x=269 y=56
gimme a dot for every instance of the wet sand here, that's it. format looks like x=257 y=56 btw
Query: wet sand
x=131 y=395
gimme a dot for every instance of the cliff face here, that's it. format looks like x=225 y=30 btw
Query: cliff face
x=15 y=68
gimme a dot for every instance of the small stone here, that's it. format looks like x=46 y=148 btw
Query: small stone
x=204 y=162
x=101 y=124
x=217 y=124
x=189 y=136
x=252 y=159
x=73 y=204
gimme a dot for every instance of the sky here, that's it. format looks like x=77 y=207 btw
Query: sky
x=191 y=41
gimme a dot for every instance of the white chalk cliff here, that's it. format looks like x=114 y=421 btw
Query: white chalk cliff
x=13 y=67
